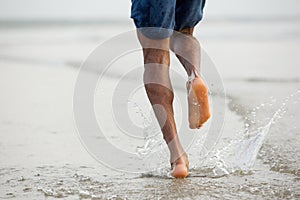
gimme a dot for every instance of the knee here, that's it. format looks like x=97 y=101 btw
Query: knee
x=184 y=41
x=159 y=56
x=155 y=51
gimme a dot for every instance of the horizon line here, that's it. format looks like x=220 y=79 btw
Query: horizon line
x=64 y=21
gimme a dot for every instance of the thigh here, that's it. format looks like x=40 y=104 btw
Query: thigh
x=157 y=14
x=188 y=13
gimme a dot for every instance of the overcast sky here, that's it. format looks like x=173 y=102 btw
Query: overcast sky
x=120 y=9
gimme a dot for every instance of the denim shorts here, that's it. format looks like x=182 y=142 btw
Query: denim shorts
x=158 y=18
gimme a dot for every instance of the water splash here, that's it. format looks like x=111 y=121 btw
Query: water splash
x=138 y=110
x=153 y=152
x=238 y=156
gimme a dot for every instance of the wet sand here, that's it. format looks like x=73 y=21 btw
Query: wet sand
x=41 y=153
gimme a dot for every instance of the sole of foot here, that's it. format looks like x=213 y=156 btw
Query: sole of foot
x=198 y=104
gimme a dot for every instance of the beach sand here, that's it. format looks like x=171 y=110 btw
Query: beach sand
x=41 y=152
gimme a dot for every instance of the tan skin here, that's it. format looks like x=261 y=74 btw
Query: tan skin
x=159 y=90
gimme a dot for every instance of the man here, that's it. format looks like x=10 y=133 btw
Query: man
x=155 y=21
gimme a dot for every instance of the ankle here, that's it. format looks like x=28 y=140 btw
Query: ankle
x=176 y=149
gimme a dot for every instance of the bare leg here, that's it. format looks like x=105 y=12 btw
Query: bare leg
x=187 y=49
x=159 y=90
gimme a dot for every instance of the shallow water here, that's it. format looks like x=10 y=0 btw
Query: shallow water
x=229 y=171
x=70 y=183
x=41 y=155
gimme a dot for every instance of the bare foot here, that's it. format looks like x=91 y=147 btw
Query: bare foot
x=198 y=102
x=180 y=168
